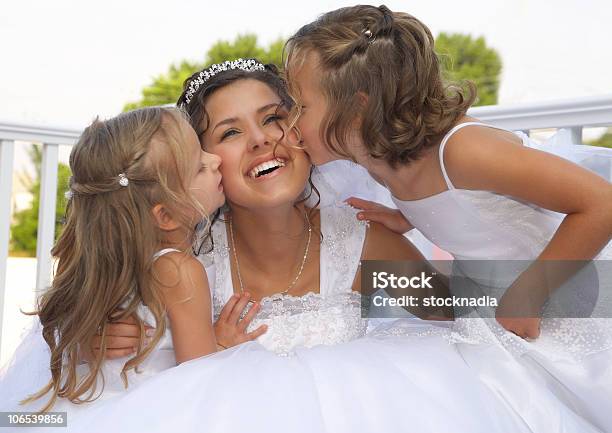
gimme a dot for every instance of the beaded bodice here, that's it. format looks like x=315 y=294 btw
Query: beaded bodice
x=331 y=316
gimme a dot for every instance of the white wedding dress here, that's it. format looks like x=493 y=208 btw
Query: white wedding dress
x=320 y=368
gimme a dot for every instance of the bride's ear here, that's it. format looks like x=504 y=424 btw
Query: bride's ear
x=163 y=218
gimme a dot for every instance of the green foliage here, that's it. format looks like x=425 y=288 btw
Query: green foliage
x=465 y=58
x=166 y=88
x=24 y=230
x=603 y=141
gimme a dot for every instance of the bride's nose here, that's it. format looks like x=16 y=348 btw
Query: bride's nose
x=260 y=137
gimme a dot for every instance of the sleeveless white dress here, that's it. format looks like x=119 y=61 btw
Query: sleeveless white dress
x=572 y=357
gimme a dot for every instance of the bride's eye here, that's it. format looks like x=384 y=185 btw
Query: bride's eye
x=272 y=118
x=228 y=133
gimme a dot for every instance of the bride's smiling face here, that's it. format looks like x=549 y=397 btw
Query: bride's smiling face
x=245 y=128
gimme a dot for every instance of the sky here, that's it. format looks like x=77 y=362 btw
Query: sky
x=63 y=62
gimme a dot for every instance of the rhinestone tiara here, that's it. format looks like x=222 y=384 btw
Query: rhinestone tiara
x=206 y=74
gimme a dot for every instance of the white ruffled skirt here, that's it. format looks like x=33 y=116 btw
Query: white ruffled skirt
x=405 y=375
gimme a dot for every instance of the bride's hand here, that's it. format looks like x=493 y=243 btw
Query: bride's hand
x=230 y=329
x=371 y=211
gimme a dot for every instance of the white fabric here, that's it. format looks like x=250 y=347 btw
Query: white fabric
x=165 y=251
x=481 y=225
x=317 y=371
x=573 y=356
x=28 y=370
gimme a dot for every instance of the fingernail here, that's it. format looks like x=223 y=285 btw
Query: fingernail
x=247 y=294
x=359 y=216
x=150 y=332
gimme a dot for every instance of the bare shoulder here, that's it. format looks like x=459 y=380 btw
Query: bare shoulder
x=474 y=148
x=384 y=244
x=475 y=140
x=179 y=276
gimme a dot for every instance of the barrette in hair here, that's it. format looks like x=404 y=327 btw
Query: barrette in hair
x=205 y=75
x=123 y=180
x=368 y=34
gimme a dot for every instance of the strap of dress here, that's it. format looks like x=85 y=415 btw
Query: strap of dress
x=165 y=251
x=448 y=135
x=341 y=247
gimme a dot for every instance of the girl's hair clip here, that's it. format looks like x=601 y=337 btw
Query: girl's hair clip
x=368 y=34
x=123 y=180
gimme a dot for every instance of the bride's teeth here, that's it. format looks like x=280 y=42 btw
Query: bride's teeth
x=266 y=166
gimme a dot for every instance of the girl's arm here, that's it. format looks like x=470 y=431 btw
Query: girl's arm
x=372 y=211
x=230 y=329
x=481 y=158
x=186 y=295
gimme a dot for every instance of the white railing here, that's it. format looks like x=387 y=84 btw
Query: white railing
x=51 y=139
x=573 y=114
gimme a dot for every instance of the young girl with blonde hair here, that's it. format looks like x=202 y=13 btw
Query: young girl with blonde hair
x=140 y=185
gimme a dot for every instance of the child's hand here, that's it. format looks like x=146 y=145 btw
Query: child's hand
x=230 y=330
x=390 y=218
x=122 y=338
x=519 y=323
x=524 y=327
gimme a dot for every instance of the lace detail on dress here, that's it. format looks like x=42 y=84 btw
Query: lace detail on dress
x=330 y=317
x=343 y=237
x=309 y=320
x=560 y=339
x=220 y=258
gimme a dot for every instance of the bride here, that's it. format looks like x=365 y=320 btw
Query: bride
x=316 y=368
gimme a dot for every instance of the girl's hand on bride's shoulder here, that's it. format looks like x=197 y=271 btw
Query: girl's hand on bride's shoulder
x=372 y=211
x=230 y=329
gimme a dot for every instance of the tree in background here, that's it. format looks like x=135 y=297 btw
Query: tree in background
x=603 y=141
x=24 y=230
x=462 y=58
x=465 y=58
x=166 y=88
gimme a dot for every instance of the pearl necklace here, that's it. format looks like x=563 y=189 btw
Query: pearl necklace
x=284 y=292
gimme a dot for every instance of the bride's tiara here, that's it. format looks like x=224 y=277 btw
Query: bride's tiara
x=206 y=74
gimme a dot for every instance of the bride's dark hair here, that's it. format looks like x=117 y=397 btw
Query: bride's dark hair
x=194 y=103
